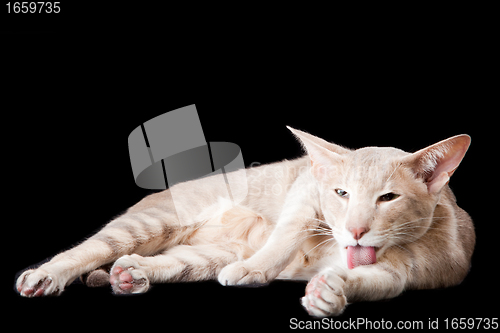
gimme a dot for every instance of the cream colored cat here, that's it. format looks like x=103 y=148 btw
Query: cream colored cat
x=358 y=225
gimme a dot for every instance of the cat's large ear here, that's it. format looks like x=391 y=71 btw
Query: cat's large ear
x=435 y=164
x=322 y=153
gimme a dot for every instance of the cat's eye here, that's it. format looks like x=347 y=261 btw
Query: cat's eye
x=342 y=193
x=388 y=197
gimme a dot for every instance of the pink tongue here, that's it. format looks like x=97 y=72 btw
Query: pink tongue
x=360 y=255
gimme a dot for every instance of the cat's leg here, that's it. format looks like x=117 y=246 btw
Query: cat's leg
x=375 y=282
x=52 y=277
x=183 y=263
x=266 y=264
x=327 y=292
x=147 y=232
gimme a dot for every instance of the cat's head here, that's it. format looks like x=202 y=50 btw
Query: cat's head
x=374 y=198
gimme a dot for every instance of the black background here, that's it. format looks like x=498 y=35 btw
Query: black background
x=73 y=92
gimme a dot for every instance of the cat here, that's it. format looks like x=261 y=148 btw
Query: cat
x=358 y=225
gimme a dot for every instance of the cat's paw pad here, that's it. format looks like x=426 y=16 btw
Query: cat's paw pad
x=239 y=274
x=325 y=294
x=37 y=282
x=127 y=277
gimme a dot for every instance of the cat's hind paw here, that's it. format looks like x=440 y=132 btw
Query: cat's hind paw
x=127 y=277
x=37 y=282
x=325 y=294
x=238 y=274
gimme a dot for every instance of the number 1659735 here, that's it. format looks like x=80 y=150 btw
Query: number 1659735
x=33 y=7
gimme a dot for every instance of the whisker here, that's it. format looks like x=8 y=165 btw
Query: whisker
x=331 y=245
x=326 y=231
x=316 y=234
x=308 y=236
x=323 y=242
x=402 y=248
x=322 y=221
x=410 y=227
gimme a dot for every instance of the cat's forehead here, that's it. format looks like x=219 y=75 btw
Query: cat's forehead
x=371 y=163
x=376 y=154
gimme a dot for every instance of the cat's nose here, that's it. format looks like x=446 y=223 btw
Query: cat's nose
x=357 y=233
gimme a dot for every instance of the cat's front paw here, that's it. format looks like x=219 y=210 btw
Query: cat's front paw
x=127 y=277
x=325 y=293
x=239 y=273
x=38 y=282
